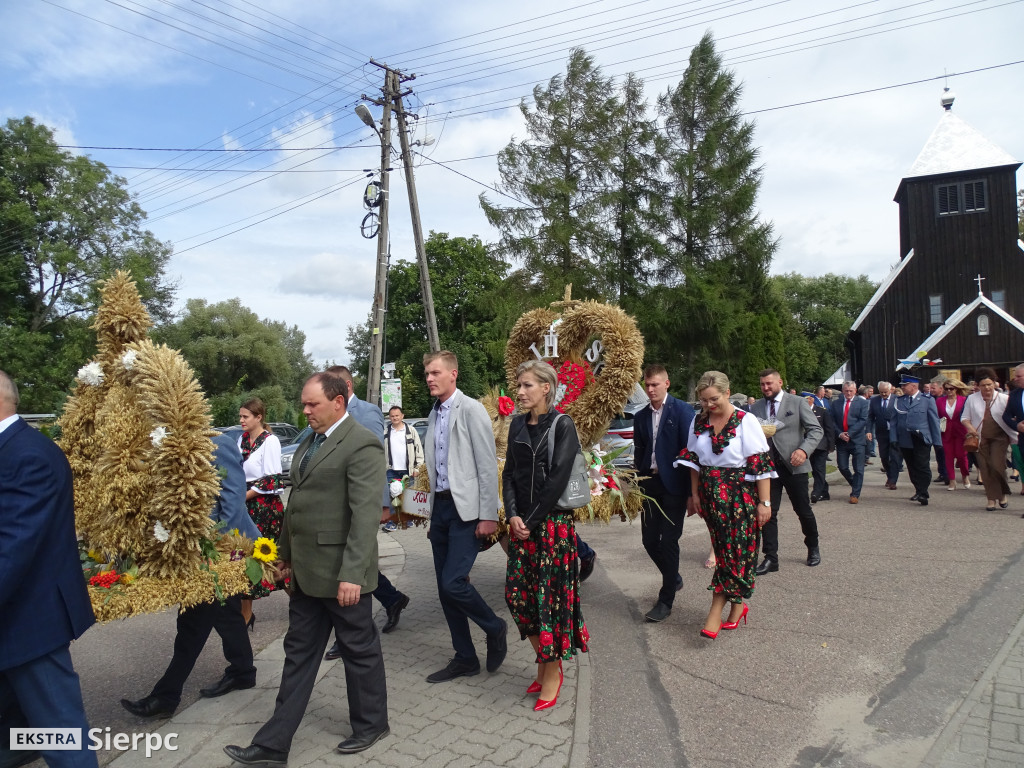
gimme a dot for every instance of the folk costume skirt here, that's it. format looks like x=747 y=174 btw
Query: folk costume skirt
x=542 y=588
x=729 y=503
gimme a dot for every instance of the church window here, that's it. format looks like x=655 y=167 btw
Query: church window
x=935 y=309
x=999 y=299
x=964 y=197
x=983 y=325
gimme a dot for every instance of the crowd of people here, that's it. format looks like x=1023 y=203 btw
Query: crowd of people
x=725 y=464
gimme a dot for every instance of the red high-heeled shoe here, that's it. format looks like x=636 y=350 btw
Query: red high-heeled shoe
x=535 y=686
x=709 y=634
x=542 y=704
x=734 y=624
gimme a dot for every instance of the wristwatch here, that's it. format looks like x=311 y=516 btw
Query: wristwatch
x=765 y=504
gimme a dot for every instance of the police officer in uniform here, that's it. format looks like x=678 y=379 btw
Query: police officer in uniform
x=915 y=428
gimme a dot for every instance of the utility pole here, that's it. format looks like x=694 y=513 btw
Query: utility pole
x=417 y=230
x=380 y=282
x=392 y=99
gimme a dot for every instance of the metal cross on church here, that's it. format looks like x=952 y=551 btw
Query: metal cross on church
x=978 y=280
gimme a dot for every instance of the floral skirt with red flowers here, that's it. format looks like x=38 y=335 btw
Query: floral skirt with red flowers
x=729 y=503
x=542 y=588
x=267 y=511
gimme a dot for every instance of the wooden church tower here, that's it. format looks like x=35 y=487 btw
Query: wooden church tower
x=957 y=291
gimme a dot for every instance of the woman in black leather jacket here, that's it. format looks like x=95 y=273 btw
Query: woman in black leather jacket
x=542 y=585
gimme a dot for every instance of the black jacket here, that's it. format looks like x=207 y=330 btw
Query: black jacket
x=828 y=440
x=529 y=487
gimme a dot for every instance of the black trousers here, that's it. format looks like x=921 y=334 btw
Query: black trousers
x=819 y=462
x=940 y=458
x=892 y=458
x=918 y=464
x=310 y=622
x=796 y=488
x=194 y=627
x=660 y=534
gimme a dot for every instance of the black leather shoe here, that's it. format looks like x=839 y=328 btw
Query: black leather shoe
x=394 y=613
x=254 y=754
x=679 y=582
x=659 y=612
x=150 y=706
x=826 y=497
x=768 y=565
x=587 y=566
x=915 y=497
x=334 y=652
x=923 y=502
x=360 y=743
x=497 y=647
x=942 y=480
x=813 y=556
x=455 y=668
x=815 y=498
x=226 y=685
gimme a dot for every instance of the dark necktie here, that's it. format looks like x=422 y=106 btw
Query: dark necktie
x=771 y=408
x=317 y=442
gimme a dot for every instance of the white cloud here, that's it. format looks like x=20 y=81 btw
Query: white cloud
x=331 y=275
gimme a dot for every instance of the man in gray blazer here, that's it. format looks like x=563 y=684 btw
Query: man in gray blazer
x=328 y=546
x=463 y=470
x=796 y=437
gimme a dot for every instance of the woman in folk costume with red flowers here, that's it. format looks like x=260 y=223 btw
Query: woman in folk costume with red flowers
x=542 y=585
x=731 y=468
x=264 y=483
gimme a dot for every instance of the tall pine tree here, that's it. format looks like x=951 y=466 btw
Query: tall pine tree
x=560 y=171
x=715 y=264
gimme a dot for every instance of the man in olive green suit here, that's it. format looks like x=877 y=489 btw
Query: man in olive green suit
x=328 y=547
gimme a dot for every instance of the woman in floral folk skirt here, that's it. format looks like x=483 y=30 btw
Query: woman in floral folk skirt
x=261 y=460
x=542 y=584
x=731 y=469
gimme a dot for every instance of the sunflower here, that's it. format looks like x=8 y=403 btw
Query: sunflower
x=265 y=549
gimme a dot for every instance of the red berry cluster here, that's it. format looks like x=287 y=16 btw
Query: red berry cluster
x=107 y=579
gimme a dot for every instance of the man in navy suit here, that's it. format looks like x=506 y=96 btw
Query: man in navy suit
x=850 y=414
x=196 y=623
x=915 y=426
x=372 y=417
x=659 y=433
x=43 y=611
x=879 y=414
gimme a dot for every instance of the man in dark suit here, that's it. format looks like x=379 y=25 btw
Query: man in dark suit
x=42 y=612
x=371 y=417
x=196 y=623
x=463 y=470
x=797 y=435
x=328 y=546
x=914 y=426
x=850 y=414
x=819 y=458
x=1013 y=417
x=880 y=411
x=660 y=432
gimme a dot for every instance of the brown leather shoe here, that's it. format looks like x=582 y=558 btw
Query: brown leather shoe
x=854 y=500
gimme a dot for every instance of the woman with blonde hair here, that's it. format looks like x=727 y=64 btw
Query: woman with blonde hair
x=731 y=469
x=542 y=583
x=951 y=411
x=983 y=416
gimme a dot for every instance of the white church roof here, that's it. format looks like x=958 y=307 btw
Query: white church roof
x=955 y=146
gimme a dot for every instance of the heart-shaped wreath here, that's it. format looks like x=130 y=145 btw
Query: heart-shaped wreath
x=603 y=396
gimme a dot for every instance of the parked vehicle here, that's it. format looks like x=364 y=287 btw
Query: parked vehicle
x=288 y=452
x=420 y=425
x=284 y=432
x=619 y=434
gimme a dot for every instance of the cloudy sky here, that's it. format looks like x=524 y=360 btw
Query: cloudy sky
x=279 y=227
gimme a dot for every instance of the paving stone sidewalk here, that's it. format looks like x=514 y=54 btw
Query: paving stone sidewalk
x=987 y=730
x=475 y=722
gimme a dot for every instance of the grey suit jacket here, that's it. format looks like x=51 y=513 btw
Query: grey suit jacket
x=329 y=534
x=799 y=428
x=472 y=461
